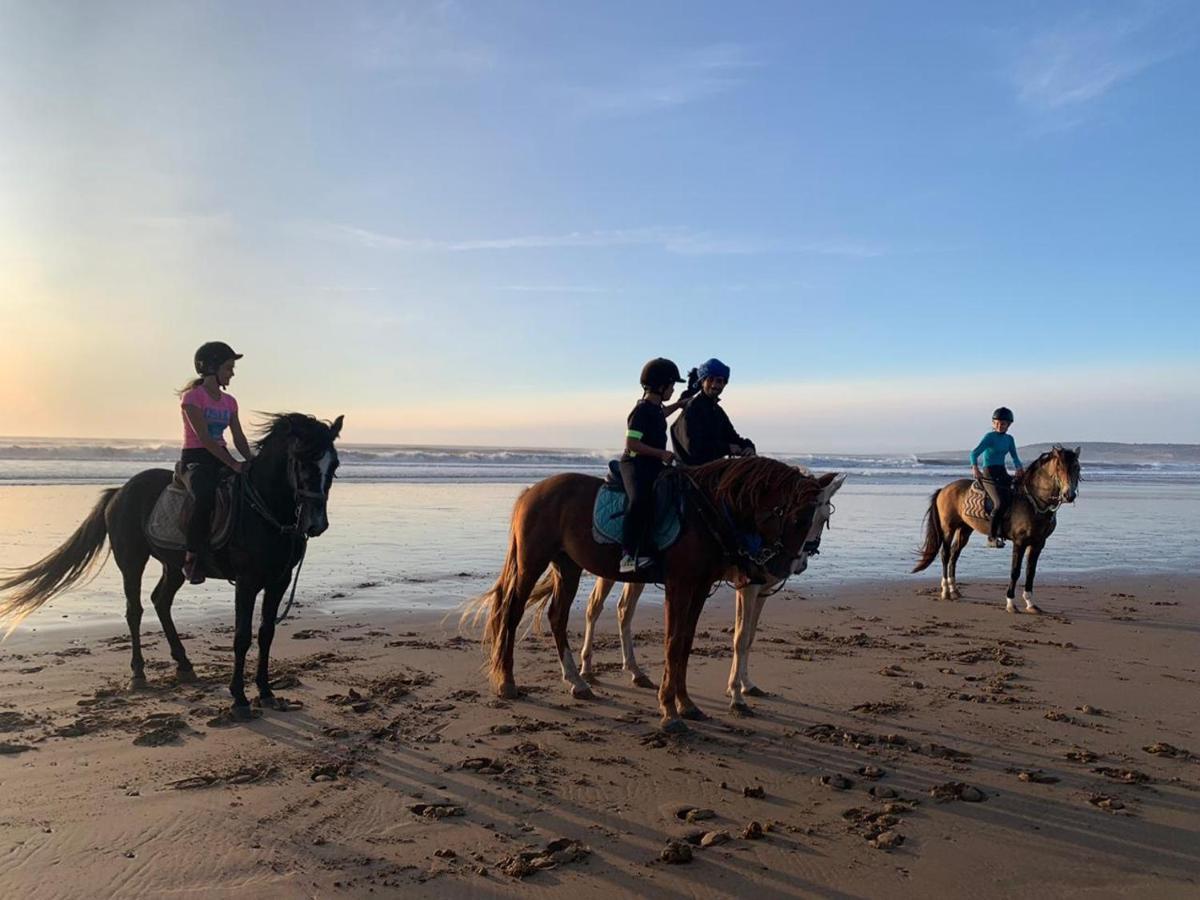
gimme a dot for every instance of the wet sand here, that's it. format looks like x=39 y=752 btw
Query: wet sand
x=909 y=748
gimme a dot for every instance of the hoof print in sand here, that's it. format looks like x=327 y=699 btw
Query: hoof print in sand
x=557 y=853
x=436 y=810
x=676 y=853
x=956 y=790
x=1108 y=803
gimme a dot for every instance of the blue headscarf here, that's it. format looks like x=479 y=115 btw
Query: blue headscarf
x=713 y=368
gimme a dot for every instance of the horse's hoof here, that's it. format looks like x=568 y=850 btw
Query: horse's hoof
x=755 y=692
x=1033 y=609
x=741 y=710
x=674 y=726
x=1009 y=607
x=137 y=683
x=582 y=692
x=643 y=681
x=507 y=691
x=695 y=714
x=241 y=712
x=186 y=676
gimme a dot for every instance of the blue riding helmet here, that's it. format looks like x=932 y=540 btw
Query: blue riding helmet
x=713 y=368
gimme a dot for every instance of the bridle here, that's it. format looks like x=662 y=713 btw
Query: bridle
x=303 y=496
x=1057 y=499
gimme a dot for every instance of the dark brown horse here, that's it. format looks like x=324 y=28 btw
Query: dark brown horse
x=1051 y=480
x=283 y=503
x=552 y=526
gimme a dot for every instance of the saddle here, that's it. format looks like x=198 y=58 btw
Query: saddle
x=168 y=522
x=977 y=504
x=608 y=515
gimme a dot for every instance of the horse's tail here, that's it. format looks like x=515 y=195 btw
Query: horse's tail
x=543 y=592
x=496 y=605
x=59 y=571
x=933 y=534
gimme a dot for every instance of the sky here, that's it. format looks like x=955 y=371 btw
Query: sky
x=472 y=223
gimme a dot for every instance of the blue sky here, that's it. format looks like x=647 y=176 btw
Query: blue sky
x=473 y=222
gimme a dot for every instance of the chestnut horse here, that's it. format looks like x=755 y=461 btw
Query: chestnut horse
x=1051 y=480
x=283 y=499
x=749 y=600
x=552 y=526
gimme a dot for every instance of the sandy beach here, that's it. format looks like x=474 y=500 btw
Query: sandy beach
x=908 y=748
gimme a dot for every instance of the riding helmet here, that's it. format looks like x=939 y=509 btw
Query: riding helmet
x=660 y=371
x=212 y=356
x=713 y=368
x=1003 y=413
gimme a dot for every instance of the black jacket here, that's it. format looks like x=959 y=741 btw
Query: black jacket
x=703 y=432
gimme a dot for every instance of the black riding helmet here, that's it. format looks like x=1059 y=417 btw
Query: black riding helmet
x=660 y=371
x=1003 y=413
x=212 y=356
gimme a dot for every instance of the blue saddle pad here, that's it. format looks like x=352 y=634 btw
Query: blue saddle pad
x=608 y=517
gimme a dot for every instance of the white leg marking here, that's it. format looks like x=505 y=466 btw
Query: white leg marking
x=594 y=608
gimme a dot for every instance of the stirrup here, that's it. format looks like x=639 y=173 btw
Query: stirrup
x=627 y=565
x=645 y=562
x=998 y=543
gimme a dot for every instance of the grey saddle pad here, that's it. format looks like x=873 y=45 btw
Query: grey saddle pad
x=167 y=525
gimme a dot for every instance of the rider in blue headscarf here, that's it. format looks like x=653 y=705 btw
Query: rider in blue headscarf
x=704 y=433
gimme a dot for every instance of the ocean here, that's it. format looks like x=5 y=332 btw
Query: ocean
x=426 y=527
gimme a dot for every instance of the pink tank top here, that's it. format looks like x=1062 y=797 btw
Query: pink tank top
x=217 y=414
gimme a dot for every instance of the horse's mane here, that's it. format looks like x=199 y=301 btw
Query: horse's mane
x=744 y=483
x=1045 y=457
x=313 y=434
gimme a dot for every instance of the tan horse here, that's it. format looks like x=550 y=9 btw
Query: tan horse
x=749 y=601
x=552 y=527
x=1051 y=480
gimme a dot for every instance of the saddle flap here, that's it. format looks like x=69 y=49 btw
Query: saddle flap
x=168 y=522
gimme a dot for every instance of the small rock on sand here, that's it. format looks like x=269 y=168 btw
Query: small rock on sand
x=871 y=772
x=756 y=793
x=713 y=838
x=887 y=840
x=956 y=790
x=676 y=853
x=699 y=815
x=753 y=831
x=837 y=782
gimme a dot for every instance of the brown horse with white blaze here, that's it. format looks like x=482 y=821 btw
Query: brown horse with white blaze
x=1051 y=480
x=552 y=527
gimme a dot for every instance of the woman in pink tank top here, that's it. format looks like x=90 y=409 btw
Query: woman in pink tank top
x=207 y=411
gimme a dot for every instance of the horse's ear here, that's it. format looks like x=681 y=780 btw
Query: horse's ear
x=336 y=428
x=1077 y=449
x=840 y=480
x=826 y=479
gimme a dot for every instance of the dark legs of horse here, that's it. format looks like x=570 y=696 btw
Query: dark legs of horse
x=962 y=534
x=1019 y=551
x=272 y=596
x=246 y=592
x=1035 y=550
x=163 y=596
x=944 y=552
x=132 y=566
x=566 y=585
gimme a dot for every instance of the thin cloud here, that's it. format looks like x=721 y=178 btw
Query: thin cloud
x=554 y=289
x=681 y=241
x=421 y=39
x=688 y=77
x=1067 y=68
